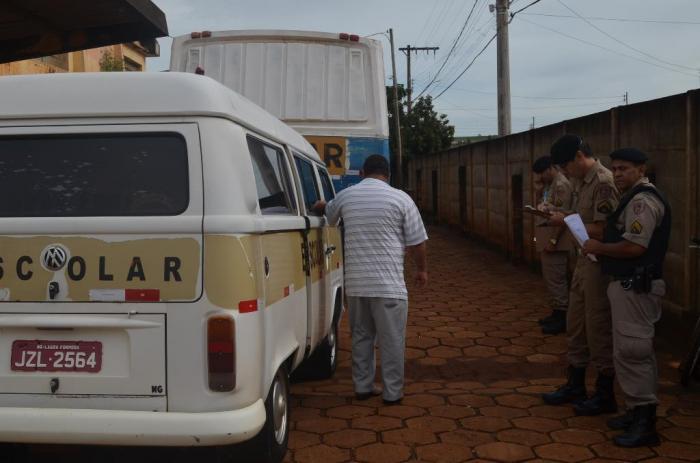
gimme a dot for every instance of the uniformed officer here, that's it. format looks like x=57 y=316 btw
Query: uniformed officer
x=589 y=323
x=556 y=196
x=633 y=249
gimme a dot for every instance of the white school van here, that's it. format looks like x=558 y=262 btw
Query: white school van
x=161 y=272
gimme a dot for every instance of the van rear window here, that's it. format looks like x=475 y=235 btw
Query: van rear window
x=92 y=175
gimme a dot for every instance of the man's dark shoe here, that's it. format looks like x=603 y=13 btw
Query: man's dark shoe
x=621 y=422
x=602 y=401
x=642 y=431
x=557 y=323
x=368 y=395
x=548 y=318
x=392 y=402
x=573 y=391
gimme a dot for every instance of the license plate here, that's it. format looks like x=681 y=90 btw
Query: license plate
x=64 y=356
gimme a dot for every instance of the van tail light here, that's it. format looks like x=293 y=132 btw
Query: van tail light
x=196 y=35
x=343 y=36
x=206 y=34
x=221 y=353
x=354 y=38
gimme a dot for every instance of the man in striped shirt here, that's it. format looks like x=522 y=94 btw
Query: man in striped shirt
x=381 y=223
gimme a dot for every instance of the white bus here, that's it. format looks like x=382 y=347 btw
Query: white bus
x=329 y=87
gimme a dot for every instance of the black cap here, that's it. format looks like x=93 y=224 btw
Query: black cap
x=564 y=149
x=542 y=164
x=629 y=154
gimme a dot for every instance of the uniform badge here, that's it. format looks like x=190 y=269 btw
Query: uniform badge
x=605 y=192
x=638 y=207
x=636 y=228
x=605 y=207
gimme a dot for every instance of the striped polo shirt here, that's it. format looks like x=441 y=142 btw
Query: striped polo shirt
x=380 y=221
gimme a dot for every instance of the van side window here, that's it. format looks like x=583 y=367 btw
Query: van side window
x=326 y=184
x=271 y=178
x=308 y=184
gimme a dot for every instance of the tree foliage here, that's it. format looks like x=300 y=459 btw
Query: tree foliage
x=423 y=130
x=110 y=63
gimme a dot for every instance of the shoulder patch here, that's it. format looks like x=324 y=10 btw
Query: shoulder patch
x=605 y=207
x=636 y=228
x=605 y=191
x=638 y=207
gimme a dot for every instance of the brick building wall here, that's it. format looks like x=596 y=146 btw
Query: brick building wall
x=482 y=187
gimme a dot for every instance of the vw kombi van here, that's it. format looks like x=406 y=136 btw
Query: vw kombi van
x=162 y=271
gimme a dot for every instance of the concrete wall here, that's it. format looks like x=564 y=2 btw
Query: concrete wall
x=498 y=180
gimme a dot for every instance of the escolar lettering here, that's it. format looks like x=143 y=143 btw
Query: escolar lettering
x=78 y=268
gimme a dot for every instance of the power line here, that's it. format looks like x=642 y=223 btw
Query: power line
x=621 y=42
x=468 y=66
x=629 y=20
x=530 y=108
x=608 y=49
x=454 y=45
x=512 y=15
x=545 y=97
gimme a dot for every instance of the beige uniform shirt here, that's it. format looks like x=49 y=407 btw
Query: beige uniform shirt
x=595 y=196
x=560 y=192
x=641 y=216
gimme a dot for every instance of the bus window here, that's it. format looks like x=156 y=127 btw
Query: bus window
x=271 y=178
x=308 y=184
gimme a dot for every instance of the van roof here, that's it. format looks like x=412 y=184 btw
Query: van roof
x=137 y=94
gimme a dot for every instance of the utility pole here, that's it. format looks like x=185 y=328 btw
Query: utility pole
x=627 y=98
x=503 y=68
x=409 y=85
x=397 y=122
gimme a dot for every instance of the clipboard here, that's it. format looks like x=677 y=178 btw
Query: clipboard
x=537 y=212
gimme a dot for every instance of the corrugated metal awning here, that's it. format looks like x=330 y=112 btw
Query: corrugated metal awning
x=34 y=28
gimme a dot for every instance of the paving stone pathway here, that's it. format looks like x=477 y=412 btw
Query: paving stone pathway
x=476 y=365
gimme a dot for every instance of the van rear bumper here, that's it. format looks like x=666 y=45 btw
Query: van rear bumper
x=116 y=427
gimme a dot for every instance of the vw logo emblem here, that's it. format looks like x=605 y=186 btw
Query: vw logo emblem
x=54 y=257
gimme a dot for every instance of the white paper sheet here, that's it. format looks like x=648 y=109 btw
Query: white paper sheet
x=578 y=230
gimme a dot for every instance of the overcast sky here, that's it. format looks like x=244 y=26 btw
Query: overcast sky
x=650 y=50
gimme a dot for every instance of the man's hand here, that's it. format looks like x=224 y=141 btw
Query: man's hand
x=556 y=220
x=592 y=247
x=319 y=206
x=421 y=279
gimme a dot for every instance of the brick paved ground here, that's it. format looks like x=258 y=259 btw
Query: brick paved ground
x=476 y=364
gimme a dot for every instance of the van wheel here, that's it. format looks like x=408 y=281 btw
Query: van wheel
x=325 y=359
x=271 y=443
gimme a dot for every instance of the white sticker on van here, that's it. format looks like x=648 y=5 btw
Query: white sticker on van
x=107 y=295
x=4 y=294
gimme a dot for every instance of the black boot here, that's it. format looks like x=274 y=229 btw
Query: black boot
x=602 y=401
x=642 y=431
x=557 y=323
x=621 y=421
x=573 y=391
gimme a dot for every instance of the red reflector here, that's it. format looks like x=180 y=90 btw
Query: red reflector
x=344 y=36
x=286 y=291
x=247 y=306
x=199 y=71
x=196 y=35
x=220 y=348
x=206 y=34
x=146 y=295
x=354 y=38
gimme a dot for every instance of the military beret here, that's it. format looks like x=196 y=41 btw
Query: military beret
x=542 y=164
x=629 y=154
x=564 y=149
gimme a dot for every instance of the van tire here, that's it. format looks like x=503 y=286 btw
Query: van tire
x=270 y=445
x=325 y=359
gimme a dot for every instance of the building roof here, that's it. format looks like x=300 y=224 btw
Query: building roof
x=34 y=28
x=140 y=94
